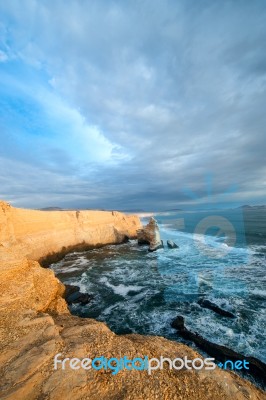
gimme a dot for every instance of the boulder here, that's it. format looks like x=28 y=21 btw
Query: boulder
x=171 y=244
x=178 y=323
x=73 y=295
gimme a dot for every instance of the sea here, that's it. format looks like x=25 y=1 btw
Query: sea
x=221 y=257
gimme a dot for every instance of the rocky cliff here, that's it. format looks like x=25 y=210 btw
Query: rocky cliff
x=36 y=324
x=35 y=234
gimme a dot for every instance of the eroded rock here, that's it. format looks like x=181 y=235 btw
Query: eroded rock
x=172 y=245
x=74 y=295
x=178 y=323
x=150 y=235
x=212 y=306
x=257 y=369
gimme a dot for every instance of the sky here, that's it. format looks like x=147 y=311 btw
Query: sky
x=149 y=105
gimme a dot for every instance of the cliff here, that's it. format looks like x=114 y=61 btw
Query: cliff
x=36 y=324
x=35 y=234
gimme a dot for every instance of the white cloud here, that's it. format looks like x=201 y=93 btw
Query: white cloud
x=3 y=56
x=152 y=92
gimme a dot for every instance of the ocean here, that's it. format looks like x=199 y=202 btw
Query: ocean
x=221 y=257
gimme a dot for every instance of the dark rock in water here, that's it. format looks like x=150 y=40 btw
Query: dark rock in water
x=78 y=297
x=172 y=245
x=125 y=239
x=73 y=295
x=70 y=289
x=257 y=369
x=156 y=247
x=212 y=306
x=178 y=323
x=142 y=242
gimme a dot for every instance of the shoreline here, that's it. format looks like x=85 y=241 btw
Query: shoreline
x=54 y=257
x=36 y=325
x=219 y=350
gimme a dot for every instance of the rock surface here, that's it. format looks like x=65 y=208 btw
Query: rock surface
x=150 y=234
x=256 y=368
x=36 y=325
x=212 y=306
x=171 y=244
x=74 y=295
x=36 y=234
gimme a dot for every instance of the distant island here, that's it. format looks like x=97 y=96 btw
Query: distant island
x=248 y=207
x=51 y=209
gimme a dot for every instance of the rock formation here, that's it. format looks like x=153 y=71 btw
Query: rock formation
x=256 y=368
x=36 y=234
x=150 y=235
x=73 y=294
x=212 y=306
x=35 y=323
x=171 y=244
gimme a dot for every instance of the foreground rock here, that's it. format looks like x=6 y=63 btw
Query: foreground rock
x=257 y=369
x=150 y=235
x=36 y=325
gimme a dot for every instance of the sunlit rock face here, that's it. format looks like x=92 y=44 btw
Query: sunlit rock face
x=150 y=234
x=35 y=234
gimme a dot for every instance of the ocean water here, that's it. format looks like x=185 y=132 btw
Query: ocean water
x=221 y=257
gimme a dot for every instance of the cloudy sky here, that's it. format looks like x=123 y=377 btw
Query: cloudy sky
x=132 y=104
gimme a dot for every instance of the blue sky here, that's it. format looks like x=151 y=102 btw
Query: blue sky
x=127 y=104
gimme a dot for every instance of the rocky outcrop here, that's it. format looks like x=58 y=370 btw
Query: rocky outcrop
x=35 y=325
x=211 y=306
x=150 y=235
x=256 y=368
x=36 y=234
x=73 y=294
x=171 y=244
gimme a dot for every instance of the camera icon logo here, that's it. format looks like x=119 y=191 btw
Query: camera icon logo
x=225 y=229
x=213 y=236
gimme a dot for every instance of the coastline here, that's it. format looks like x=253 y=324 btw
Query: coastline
x=36 y=323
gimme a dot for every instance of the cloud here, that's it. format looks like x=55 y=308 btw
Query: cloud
x=3 y=56
x=134 y=100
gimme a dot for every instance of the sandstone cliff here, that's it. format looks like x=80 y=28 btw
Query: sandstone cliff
x=36 y=325
x=35 y=234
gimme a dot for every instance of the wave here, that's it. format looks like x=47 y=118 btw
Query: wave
x=120 y=289
x=211 y=241
x=258 y=293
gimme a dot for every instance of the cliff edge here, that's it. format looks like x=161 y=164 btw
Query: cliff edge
x=36 y=324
